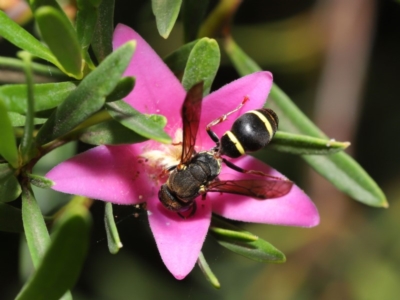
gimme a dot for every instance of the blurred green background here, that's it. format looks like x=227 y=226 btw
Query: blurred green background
x=339 y=61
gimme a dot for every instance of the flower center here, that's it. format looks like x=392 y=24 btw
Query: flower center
x=160 y=158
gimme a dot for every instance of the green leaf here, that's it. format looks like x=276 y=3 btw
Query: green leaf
x=166 y=13
x=8 y=145
x=88 y=97
x=103 y=32
x=18 y=120
x=35 y=4
x=9 y=189
x=349 y=177
x=149 y=126
x=35 y=229
x=123 y=88
x=193 y=12
x=113 y=240
x=202 y=64
x=60 y=36
x=217 y=21
x=27 y=146
x=5 y=172
x=258 y=250
x=18 y=36
x=48 y=71
x=10 y=218
x=195 y=61
x=302 y=144
x=234 y=234
x=47 y=95
x=61 y=264
x=109 y=133
x=40 y=181
x=177 y=60
x=208 y=273
x=340 y=169
x=86 y=19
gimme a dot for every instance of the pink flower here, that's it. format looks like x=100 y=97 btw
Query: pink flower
x=130 y=174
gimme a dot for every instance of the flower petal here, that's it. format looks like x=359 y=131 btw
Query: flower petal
x=294 y=209
x=179 y=241
x=157 y=90
x=256 y=86
x=111 y=173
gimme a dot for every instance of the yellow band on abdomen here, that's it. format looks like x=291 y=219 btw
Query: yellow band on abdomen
x=264 y=120
x=234 y=140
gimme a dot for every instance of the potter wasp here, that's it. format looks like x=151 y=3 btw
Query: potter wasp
x=197 y=173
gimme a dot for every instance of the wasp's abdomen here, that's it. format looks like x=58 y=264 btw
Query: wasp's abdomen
x=249 y=133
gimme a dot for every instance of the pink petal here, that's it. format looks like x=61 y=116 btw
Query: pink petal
x=256 y=86
x=157 y=90
x=294 y=209
x=109 y=173
x=179 y=241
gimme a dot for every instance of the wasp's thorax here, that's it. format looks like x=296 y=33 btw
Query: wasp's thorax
x=187 y=182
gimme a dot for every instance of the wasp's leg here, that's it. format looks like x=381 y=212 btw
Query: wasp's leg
x=221 y=119
x=254 y=172
x=192 y=209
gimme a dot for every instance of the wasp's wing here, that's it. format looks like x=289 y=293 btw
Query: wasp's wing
x=191 y=112
x=255 y=188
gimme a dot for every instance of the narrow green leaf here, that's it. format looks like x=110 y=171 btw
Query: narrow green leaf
x=258 y=250
x=202 y=64
x=113 y=240
x=109 y=133
x=26 y=145
x=8 y=145
x=166 y=13
x=208 y=273
x=21 y=38
x=340 y=169
x=35 y=4
x=303 y=144
x=149 y=126
x=35 y=229
x=234 y=234
x=177 y=60
x=349 y=177
x=193 y=12
x=18 y=120
x=60 y=36
x=47 y=95
x=9 y=189
x=66 y=296
x=96 y=3
x=5 y=172
x=86 y=19
x=217 y=21
x=123 y=88
x=103 y=32
x=40 y=181
x=285 y=106
x=88 y=97
x=62 y=262
x=10 y=218
x=50 y=72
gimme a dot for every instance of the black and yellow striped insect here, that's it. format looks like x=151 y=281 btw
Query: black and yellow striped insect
x=197 y=173
x=249 y=133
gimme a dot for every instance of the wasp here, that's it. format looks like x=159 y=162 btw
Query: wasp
x=197 y=172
